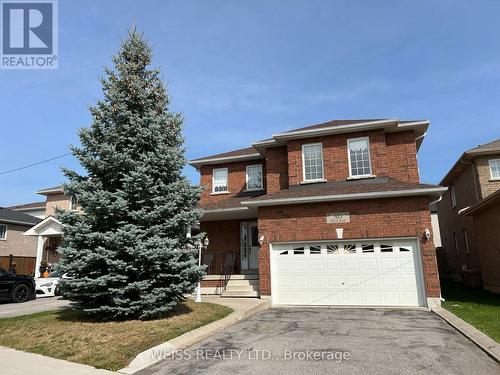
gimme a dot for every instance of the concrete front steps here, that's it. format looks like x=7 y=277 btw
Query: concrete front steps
x=242 y=286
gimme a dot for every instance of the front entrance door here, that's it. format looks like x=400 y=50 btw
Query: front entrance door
x=249 y=249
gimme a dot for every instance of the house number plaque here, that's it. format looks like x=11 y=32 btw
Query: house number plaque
x=338 y=217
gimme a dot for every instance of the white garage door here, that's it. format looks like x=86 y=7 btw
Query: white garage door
x=385 y=273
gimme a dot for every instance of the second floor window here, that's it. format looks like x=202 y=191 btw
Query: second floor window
x=453 y=197
x=359 y=157
x=312 y=161
x=466 y=240
x=495 y=169
x=254 y=177
x=3 y=232
x=220 y=180
x=73 y=202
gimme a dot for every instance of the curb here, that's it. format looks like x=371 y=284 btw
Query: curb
x=159 y=352
x=487 y=344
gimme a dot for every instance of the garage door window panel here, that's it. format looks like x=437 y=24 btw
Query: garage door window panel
x=298 y=251
x=386 y=248
x=333 y=249
x=349 y=249
x=365 y=248
x=315 y=250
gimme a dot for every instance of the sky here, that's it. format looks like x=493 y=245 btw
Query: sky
x=240 y=71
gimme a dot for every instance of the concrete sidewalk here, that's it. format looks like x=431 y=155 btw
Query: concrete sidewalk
x=15 y=362
x=242 y=308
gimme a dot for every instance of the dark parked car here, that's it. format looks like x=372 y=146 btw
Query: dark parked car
x=16 y=288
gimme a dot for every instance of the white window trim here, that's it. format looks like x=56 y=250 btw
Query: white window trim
x=490 y=162
x=453 y=197
x=71 y=208
x=304 y=180
x=466 y=239
x=6 y=230
x=370 y=175
x=213 y=181
x=261 y=178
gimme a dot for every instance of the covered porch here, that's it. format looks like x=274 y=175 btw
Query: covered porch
x=49 y=236
x=232 y=256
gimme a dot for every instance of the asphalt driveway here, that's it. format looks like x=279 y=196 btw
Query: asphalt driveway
x=9 y=309
x=348 y=341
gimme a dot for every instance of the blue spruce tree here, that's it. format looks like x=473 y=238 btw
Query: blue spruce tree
x=126 y=251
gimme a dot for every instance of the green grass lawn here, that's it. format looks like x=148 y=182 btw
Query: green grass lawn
x=69 y=335
x=476 y=306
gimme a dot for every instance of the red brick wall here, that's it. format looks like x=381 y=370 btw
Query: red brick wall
x=401 y=217
x=452 y=224
x=277 y=169
x=401 y=153
x=392 y=154
x=224 y=238
x=236 y=179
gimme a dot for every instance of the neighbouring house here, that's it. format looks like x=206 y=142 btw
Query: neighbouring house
x=486 y=217
x=329 y=214
x=47 y=233
x=36 y=209
x=467 y=214
x=17 y=252
x=436 y=233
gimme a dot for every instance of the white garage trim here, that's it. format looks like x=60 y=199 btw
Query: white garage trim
x=402 y=285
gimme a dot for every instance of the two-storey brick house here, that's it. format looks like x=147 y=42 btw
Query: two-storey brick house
x=469 y=218
x=329 y=214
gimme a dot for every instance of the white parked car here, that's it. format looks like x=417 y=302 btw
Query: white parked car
x=47 y=286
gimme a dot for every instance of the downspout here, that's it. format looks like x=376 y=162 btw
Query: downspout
x=436 y=202
x=416 y=155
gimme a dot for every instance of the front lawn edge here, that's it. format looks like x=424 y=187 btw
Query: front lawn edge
x=159 y=352
x=484 y=342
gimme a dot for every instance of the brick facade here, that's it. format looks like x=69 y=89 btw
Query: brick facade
x=224 y=239
x=16 y=243
x=459 y=264
x=56 y=201
x=392 y=155
x=471 y=182
x=487 y=186
x=277 y=169
x=486 y=225
x=236 y=179
x=381 y=218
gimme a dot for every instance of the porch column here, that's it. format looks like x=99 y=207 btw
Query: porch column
x=39 y=255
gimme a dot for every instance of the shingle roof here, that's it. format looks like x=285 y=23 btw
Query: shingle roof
x=231 y=201
x=490 y=146
x=381 y=184
x=333 y=188
x=240 y=152
x=345 y=122
x=251 y=152
x=28 y=205
x=7 y=215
